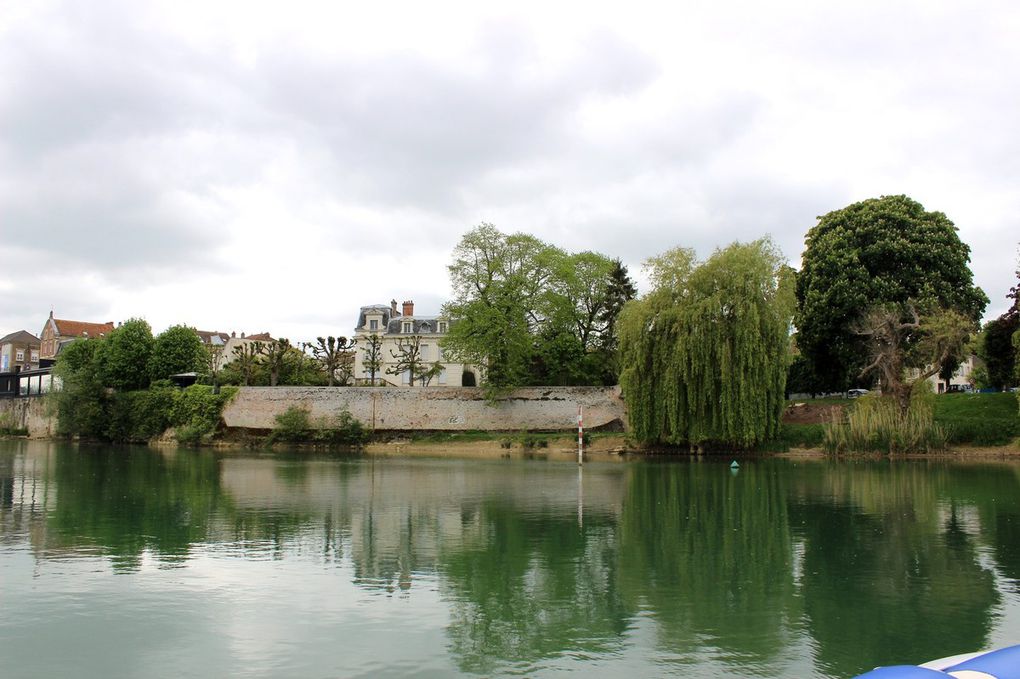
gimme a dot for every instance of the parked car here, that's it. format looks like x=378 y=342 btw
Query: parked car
x=856 y=393
x=960 y=389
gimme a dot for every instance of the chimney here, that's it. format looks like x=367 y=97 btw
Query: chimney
x=242 y=335
x=393 y=307
x=233 y=333
x=409 y=307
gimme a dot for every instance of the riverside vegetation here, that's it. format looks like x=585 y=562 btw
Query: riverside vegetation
x=704 y=359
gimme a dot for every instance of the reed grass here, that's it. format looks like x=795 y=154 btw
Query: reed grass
x=876 y=424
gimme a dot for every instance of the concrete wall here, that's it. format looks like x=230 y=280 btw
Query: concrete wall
x=433 y=408
x=29 y=413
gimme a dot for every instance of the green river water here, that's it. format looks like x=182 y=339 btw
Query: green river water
x=131 y=562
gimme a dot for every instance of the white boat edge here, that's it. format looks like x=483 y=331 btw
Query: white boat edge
x=943 y=663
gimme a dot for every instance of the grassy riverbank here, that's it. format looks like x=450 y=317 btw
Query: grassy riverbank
x=971 y=421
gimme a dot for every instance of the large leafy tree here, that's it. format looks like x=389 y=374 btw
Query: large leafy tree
x=869 y=255
x=178 y=349
x=996 y=347
x=997 y=351
x=80 y=402
x=704 y=355
x=530 y=313
x=124 y=355
x=576 y=343
x=500 y=297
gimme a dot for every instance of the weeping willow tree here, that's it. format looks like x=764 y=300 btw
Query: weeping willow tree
x=704 y=354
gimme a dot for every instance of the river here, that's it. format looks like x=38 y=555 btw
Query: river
x=133 y=562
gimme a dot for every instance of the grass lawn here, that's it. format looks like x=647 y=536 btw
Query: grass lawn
x=979 y=419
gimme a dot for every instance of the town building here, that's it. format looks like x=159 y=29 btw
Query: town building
x=396 y=327
x=19 y=351
x=962 y=379
x=225 y=344
x=57 y=332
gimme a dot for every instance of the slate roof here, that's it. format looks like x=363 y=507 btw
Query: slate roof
x=383 y=309
x=214 y=338
x=423 y=325
x=21 y=337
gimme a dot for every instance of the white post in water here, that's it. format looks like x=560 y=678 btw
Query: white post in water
x=580 y=436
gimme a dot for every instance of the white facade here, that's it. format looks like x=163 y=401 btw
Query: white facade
x=394 y=326
x=964 y=375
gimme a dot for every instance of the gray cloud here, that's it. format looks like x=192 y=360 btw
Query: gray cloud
x=133 y=156
x=403 y=131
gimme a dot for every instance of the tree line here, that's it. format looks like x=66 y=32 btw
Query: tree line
x=884 y=297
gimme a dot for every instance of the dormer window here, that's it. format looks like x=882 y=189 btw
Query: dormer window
x=442 y=326
x=408 y=327
x=373 y=324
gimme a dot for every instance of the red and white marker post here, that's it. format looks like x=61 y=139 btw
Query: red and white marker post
x=580 y=436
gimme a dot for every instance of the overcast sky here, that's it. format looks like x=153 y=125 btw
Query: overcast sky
x=274 y=166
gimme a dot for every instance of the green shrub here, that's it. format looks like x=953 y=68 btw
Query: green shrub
x=194 y=434
x=294 y=424
x=345 y=430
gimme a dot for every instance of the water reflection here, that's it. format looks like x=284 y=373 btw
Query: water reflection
x=809 y=569
x=900 y=548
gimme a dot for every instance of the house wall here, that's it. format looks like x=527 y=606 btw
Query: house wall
x=963 y=375
x=48 y=340
x=9 y=356
x=390 y=348
x=433 y=408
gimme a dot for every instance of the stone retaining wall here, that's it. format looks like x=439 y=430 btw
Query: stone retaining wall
x=29 y=413
x=433 y=408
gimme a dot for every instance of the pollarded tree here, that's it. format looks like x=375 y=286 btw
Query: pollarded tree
x=336 y=356
x=878 y=252
x=178 y=349
x=704 y=355
x=273 y=354
x=372 y=357
x=212 y=364
x=246 y=356
x=408 y=359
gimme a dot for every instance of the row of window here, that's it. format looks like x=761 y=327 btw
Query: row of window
x=19 y=355
x=407 y=327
